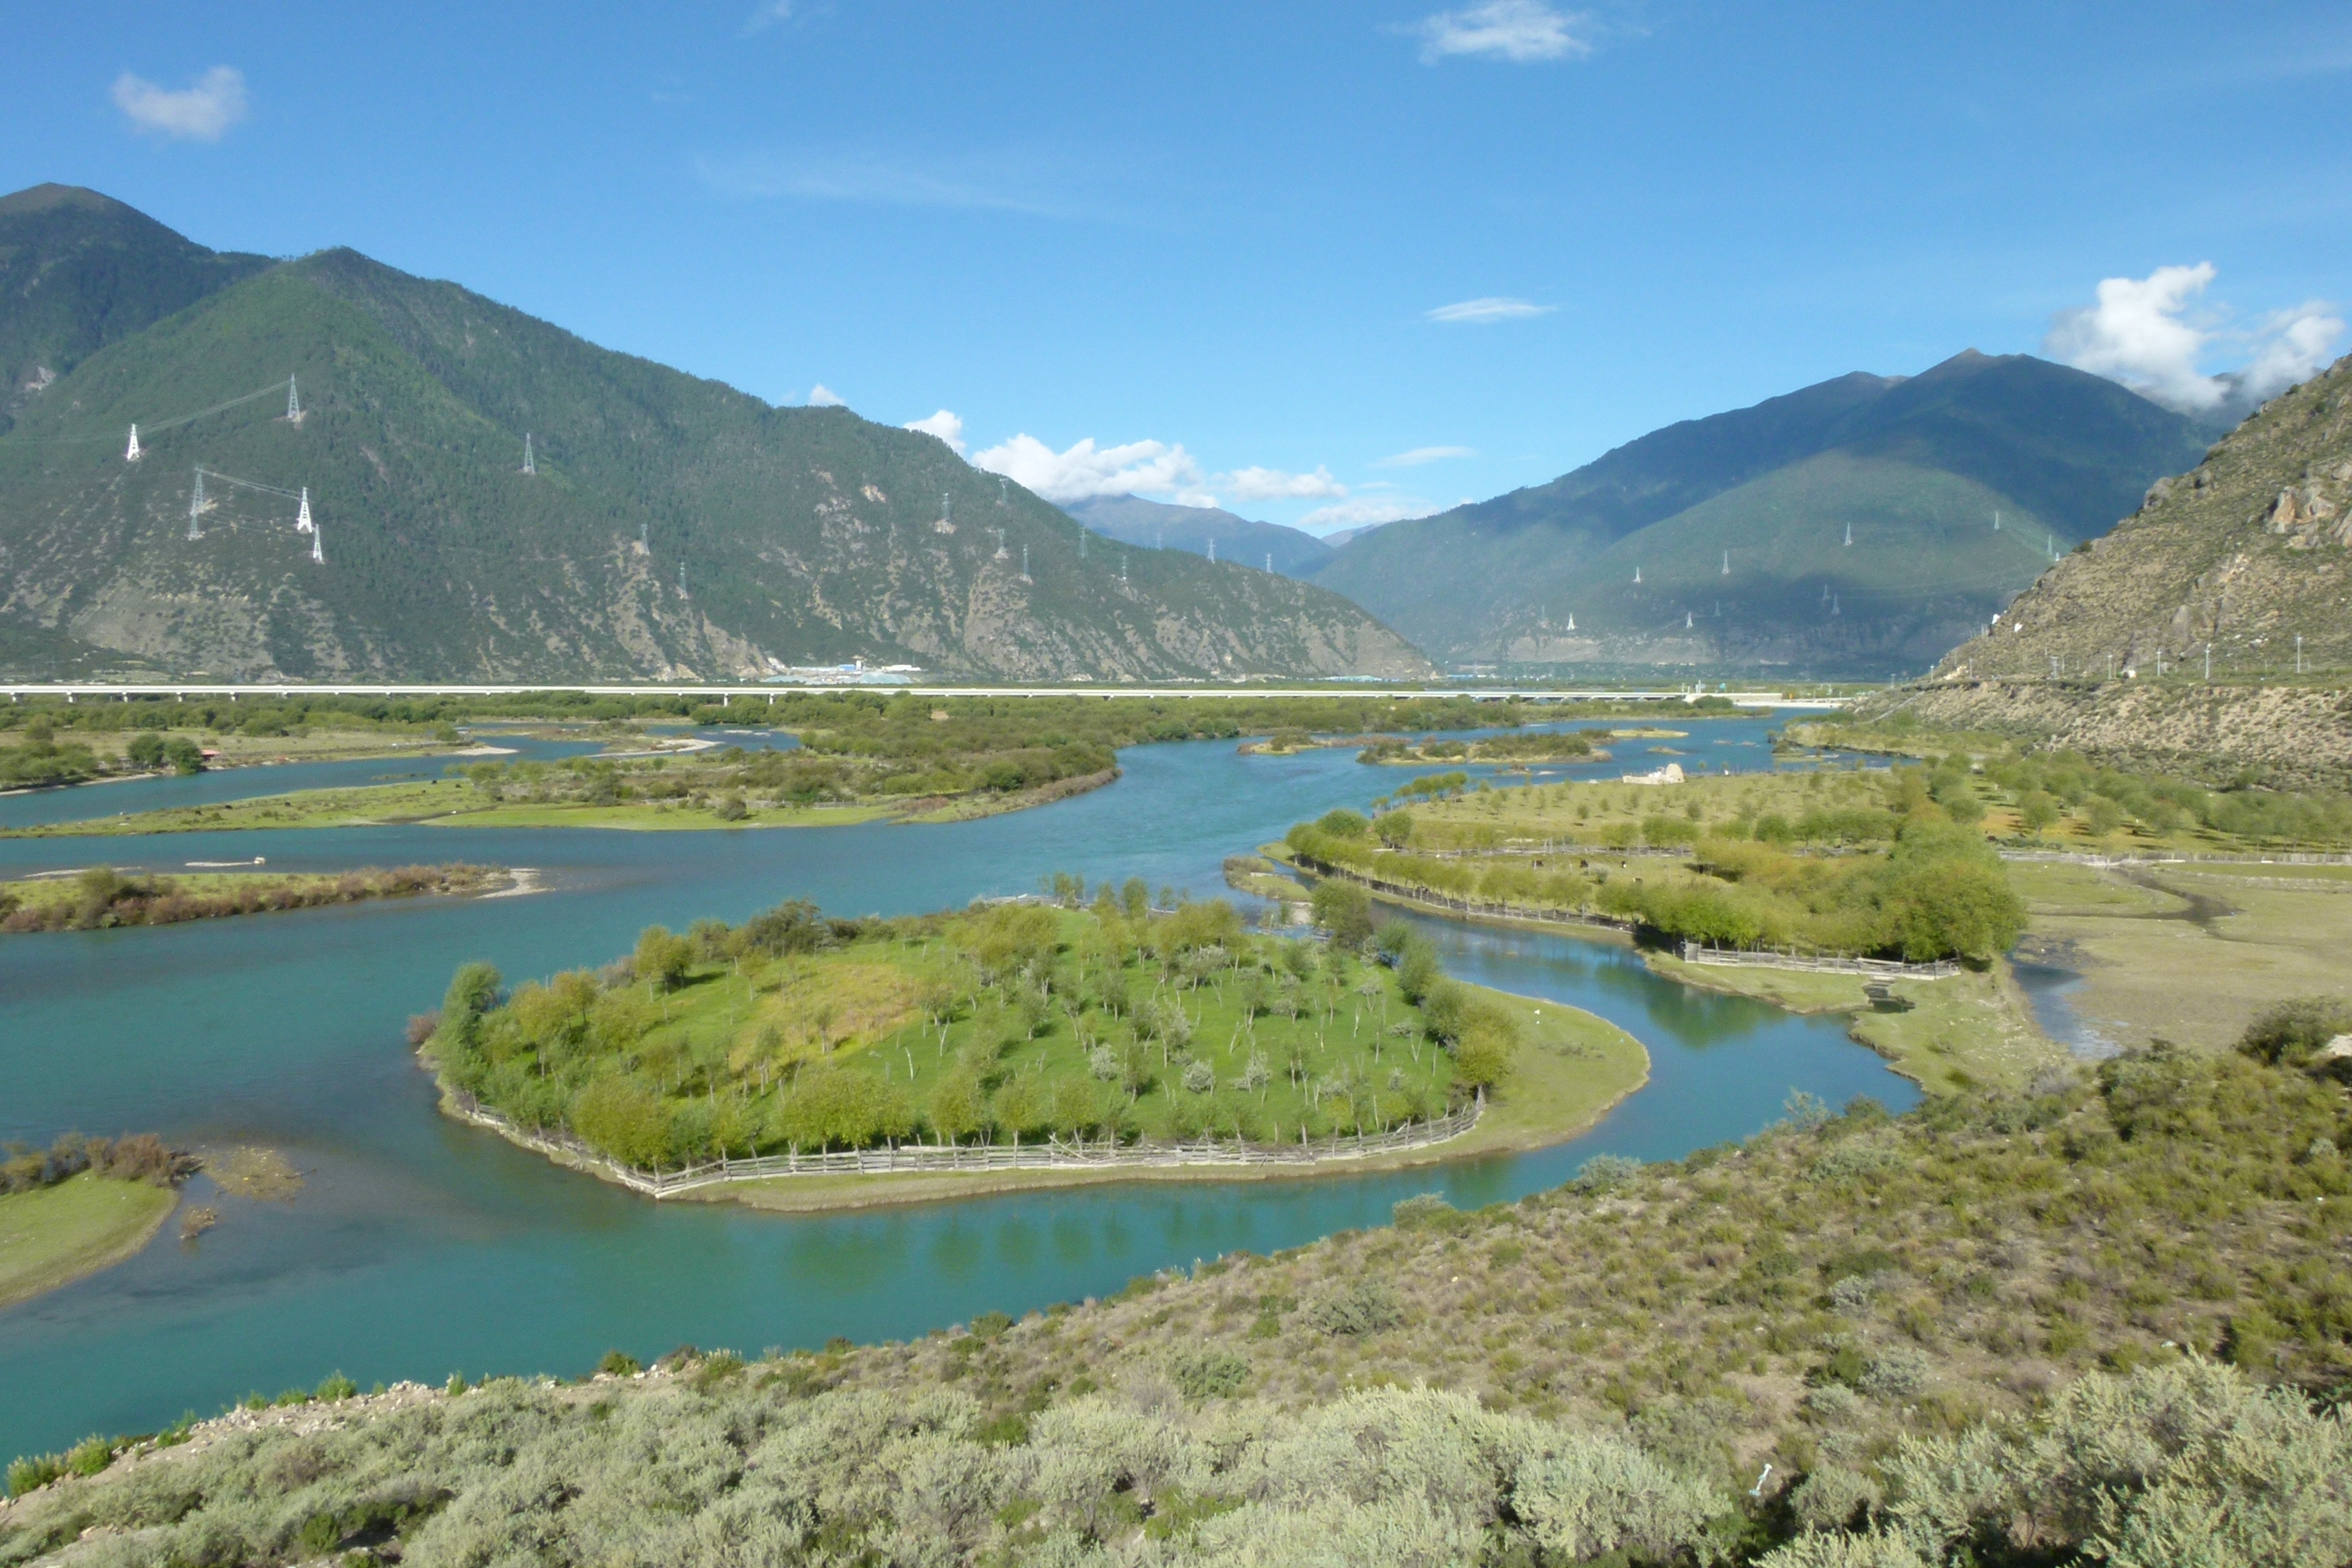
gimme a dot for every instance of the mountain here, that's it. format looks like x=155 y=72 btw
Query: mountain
x=675 y=527
x=79 y=271
x=1156 y=525
x=1917 y=465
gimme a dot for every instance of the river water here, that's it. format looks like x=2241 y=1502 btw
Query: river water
x=418 y=1247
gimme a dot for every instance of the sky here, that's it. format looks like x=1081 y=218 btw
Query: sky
x=1322 y=264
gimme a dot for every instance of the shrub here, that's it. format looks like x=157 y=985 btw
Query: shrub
x=1208 y=1373
x=34 y=1470
x=1362 y=1307
x=1605 y=1173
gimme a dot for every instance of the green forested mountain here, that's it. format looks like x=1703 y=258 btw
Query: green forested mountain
x=79 y=271
x=1917 y=465
x=674 y=526
x=1157 y=525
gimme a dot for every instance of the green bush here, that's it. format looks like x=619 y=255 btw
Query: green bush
x=1208 y=1373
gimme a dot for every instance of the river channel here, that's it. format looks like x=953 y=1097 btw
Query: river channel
x=418 y=1247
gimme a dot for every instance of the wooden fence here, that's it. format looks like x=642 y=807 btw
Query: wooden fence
x=1773 y=958
x=2175 y=858
x=1467 y=906
x=913 y=1158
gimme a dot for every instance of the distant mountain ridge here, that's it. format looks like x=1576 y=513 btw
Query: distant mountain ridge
x=675 y=527
x=1198 y=530
x=1917 y=467
x=79 y=271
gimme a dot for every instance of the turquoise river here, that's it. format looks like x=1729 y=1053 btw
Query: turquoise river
x=418 y=1247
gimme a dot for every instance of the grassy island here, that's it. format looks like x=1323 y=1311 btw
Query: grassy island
x=861 y=757
x=80 y=1206
x=103 y=897
x=1837 y=863
x=1112 y=1022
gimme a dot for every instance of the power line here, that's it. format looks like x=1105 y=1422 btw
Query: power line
x=294 y=412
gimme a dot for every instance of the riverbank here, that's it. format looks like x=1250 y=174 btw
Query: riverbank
x=2186 y=953
x=56 y=1235
x=450 y=803
x=105 y=896
x=1966 y=1032
x=1571 y=1069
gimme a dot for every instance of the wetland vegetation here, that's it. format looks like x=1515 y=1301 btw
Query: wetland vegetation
x=80 y=1205
x=103 y=897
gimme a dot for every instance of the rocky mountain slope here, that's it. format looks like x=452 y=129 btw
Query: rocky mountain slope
x=1837 y=529
x=2245 y=553
x=673 y=527
x=1157 y=525
x=2248 y=557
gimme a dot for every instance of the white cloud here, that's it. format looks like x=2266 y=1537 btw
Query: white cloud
x=766 y=14
x=1272 y=484
x=1520 y=31
x=2292 y=346
x=200 y=112
x=985 y=182
x=2140 y=332
x=945 y=426
x=1365 y=512
x=1492 y=307
x=2135 y=334
x=1141 y=468
x=822 y=397
x=1150 y=468
x=1421 y=455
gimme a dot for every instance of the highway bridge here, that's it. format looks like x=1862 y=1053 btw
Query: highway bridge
x=97 y=691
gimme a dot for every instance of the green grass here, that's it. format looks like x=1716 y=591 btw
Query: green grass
x=54 y=1236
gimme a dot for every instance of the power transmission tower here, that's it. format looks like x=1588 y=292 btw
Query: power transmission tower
x=1212 y=549
x=529 y=465
x=130 y=454
x=1637 y=576
x=1001 y=491
x=1024 y=566
x=1726 y=562
x=1001 y=554
x=303 y=523
x=293 y=403
x=317 y=546
x=196 y=506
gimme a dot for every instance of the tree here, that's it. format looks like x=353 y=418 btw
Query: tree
x=1345 y=910
x=956 y=1107
x=1394 y=828
x=661 y=959
x=624 y=1119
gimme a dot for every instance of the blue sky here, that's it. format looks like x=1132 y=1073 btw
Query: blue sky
x=1221 y=243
